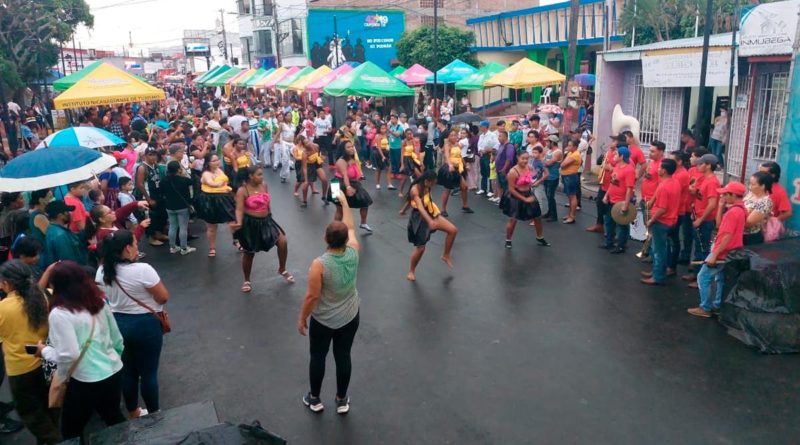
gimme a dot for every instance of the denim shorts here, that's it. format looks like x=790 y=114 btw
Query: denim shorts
x=502 y=180
x=571 y=184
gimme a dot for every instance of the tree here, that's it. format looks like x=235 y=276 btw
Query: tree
x=29 y=34
x=417 y=47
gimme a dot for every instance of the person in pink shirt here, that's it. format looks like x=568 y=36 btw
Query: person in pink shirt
x=781 y=206
x=74 y=198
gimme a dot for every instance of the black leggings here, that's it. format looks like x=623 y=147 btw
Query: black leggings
x=320 y=337
x=83 y=399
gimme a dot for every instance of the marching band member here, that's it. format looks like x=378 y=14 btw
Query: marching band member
x=705 y=207
x=623 y=179
x=664 y=207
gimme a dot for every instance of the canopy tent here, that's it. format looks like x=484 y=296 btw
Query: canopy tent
x=258 y=77
x=415 y=75
x=107 y=85
x=301 y=83
x=368 y=80
x=210 y=74
x=476 y=81
x=270 y=80
x=67 y=82
x=220 y=80
x=525 y=74
x=399 y=69
x=452 y=72
x=244 y=75
x=317 y=85
x=289 y=79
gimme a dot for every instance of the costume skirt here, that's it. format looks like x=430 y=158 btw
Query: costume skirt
x=258 y=234
x=449 y=179
x=215 y=208
x=409 y=166
x=419 y=233
x=360 y=200
x=378 y=162
x=311 y=172
x=298 y=170
x=519 y=210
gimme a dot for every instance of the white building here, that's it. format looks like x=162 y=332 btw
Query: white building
x=272 y=32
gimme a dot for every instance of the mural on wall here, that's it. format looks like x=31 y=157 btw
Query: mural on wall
x=357 y=36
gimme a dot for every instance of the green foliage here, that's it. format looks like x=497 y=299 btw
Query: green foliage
x=417 y=47
x=29 y=34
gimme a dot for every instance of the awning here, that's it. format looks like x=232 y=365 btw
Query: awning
x=399 y=69
x=453 y=72
x=415 y=75
x=107 y=85
x=301 y=83
x=220 y=80
x=476 y=81
x=368 y=80
x=286 y=81
x=277 y=76
x=525 y=74
x=242 y=76
x=68 y=81
x=258 y=77
x=215 y=71
x=317 y=85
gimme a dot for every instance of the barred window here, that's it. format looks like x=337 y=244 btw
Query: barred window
x=427 y=20
x=429 y=4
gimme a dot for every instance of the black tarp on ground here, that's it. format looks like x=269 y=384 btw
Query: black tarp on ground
x=222 y=434
x=761 y=306
x=181 y=420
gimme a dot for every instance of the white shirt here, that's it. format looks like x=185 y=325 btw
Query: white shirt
x=120 y=172
x=135 y=278
x=322 y=126
x=319 y=101
x=236 y=122
x=287 y=132
x=464 y=143
x=487 y=141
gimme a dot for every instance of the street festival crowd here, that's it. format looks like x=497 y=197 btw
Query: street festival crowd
x=80 y=299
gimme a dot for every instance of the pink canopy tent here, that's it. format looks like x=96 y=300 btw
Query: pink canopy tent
x=272 y=82
x=415 y=76
x=317 y=86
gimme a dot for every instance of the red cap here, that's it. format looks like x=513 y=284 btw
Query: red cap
x=734 y=188
x=327 y=109
x=119 y=155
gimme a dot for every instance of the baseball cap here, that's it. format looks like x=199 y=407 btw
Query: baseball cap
x=734 y=188
x=327 y=109
x=553 y=138
x=709 y=159
x=55 y=208
x=484 y=124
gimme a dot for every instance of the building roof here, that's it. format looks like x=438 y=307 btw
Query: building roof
x=723 y=39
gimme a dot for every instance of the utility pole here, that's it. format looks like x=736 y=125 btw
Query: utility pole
x=336 y=41
x=436 y=107
x=277 y=28
x=702 y=111
x=224 y=35
x=573 y=38
x=63 y=64
x=80 y=48
x=731 y=99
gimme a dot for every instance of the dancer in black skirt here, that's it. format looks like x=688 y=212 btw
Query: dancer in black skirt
x=215 y=203
x=255 y=228
x=411 y=165
x=453 y=174
x=426 y=219
x=380 y=157
x=349 y=174
x=313 y=163
x=518 y=202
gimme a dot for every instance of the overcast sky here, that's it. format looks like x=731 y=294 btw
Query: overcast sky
x=153 y=23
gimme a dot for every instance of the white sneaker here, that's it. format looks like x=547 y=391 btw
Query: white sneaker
x=377 y=186
x=366 y=227
x=489 y=195
x=188 y=250
x=174 y=249
x=480 y=192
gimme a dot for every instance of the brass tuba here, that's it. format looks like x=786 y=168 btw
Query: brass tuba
x=621 y=122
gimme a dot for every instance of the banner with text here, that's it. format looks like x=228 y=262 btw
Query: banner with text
x=678 y=70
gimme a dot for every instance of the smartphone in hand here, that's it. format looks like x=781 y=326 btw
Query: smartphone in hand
x=335 y=188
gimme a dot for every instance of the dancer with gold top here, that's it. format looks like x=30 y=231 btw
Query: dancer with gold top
x=453 y=174
x=424 y=220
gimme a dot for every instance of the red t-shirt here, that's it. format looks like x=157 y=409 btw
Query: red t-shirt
x=623 y=177
x=668 y=197
x=698 y=179
x=708 y=189
x=78 y=215
x=611 y=159
x=780 y=200
x=682 y=176
x=732 y=222
x=649 y=186
x=637 y=155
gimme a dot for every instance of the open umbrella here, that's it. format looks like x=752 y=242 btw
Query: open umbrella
x=52 y=167
x=89 y=137
x=465 y=118
x=585 y=80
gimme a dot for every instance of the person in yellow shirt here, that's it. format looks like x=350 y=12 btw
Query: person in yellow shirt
x=571 y=177
x=23 y=321
x=453 y=174
x=297 y=156
x=313 y=168
x=426 y=219
x=411 y=161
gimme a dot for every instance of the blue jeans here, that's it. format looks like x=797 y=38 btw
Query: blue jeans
x=430 y=158
x=674 y=244
x=717 y=148
x=705 y=277
x=702 y=246
x=178 y=226
x=685 y=223
x=550 y=187
x=622 y=231
x=143 y=339
x=660 y=233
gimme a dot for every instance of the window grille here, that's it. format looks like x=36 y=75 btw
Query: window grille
x=647 y=109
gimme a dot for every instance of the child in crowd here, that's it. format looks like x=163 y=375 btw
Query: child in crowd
x=126 y=197
x=493 y=174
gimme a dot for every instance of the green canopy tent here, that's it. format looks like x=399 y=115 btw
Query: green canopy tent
x=253 y=81
x=210 y=74
x=368 y=80
x=219 y=81
x=476 y=81
x=288 y=80
x=399 y=69
x=67 y=82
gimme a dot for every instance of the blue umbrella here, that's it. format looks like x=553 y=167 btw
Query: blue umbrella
x=585 y=80
x=162 y=124
x=89 y=137
x=51 y=167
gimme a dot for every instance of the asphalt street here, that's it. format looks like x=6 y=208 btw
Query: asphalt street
x=557 y=344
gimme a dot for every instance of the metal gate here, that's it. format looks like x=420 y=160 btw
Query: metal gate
x=647 y=108
x=734 y=152
x=769 y=114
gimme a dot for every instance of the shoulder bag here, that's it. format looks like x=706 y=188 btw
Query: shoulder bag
x=58 y=387
x=161 y=316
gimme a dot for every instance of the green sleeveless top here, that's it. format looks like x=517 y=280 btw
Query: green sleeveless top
x=338 y=300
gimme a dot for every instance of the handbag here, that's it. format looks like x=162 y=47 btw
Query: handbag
x=773 y=229
x=161 y=316
x=58 y=387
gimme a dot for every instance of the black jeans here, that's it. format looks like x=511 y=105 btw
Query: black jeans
x=320 y=338
x=674 y=246
x=550 y=187
x=485 y=161
x=430 y=157
x=602 y=208
x=30 y=391
x=83 y=399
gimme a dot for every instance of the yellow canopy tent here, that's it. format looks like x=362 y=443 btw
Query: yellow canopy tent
x=277 y=74
x=525 y=74
x=301 y=83
x=107 y=85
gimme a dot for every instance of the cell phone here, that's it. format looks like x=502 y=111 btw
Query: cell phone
x=31 y=349
x=335 y=188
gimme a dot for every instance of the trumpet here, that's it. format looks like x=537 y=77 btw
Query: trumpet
x=648 y=236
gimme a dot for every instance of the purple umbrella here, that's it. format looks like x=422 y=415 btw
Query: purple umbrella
x=585 y=80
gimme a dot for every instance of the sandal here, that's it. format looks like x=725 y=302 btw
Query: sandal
x=212 y=253
x=287 y=276
x=246 y=287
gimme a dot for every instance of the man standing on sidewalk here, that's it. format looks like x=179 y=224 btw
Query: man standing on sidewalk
x=487 y=141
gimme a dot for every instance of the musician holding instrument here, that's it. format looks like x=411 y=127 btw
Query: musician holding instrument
x=623 y=179
x=604 y=178
x=705 y=207
x=664 y=207
x=650 y=181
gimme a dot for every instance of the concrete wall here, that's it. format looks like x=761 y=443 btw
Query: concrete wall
x=609 y=91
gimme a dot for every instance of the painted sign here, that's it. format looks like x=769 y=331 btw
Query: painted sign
x=769 y=29
x=359 y=35
x=678 y=70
